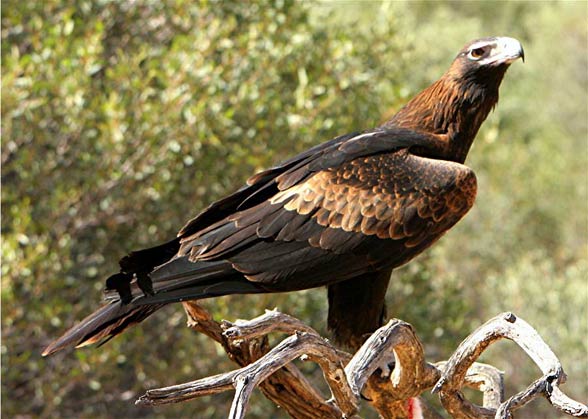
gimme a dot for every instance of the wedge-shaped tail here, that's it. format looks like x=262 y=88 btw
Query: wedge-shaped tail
x=102 y=325
x=177 y=280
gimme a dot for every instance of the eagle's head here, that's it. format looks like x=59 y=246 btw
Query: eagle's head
x=486 y=60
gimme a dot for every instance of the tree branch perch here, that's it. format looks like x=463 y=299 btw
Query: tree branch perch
x=394 y=349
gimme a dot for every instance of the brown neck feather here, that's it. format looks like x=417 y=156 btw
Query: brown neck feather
x=452 y=108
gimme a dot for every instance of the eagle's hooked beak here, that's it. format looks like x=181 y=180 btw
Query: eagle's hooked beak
x=506 y=51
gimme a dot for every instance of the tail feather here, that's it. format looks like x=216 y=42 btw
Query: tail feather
x=178 y=280
x=102 y=325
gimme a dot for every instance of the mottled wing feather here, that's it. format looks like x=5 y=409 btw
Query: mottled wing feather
x=393 y=196
x=253 y=192
x=330 y=154
x=369 y=212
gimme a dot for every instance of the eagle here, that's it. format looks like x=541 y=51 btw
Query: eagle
x=342 y=214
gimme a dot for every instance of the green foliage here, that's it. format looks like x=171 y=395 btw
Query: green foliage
x=120 y=121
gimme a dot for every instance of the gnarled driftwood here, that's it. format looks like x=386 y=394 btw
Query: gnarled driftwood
x=389 y=370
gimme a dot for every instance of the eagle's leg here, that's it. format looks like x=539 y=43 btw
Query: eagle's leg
x=357 y=307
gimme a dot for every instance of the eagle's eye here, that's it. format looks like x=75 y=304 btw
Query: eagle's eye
x=477 y=53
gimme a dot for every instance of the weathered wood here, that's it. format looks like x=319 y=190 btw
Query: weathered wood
x=505 y=326
x=287 y=387
x=389 y=370
x=486 y=379
x=391 y=394
x=270 y=321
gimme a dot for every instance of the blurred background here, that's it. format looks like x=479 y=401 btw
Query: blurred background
x=121 y=120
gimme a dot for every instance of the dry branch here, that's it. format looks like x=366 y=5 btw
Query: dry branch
x=508 y=326
x=389 y=370
x=287 y=387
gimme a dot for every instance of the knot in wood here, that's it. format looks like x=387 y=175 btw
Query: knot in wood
x=231 y=333
x=510 y=317
x=244 y=378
